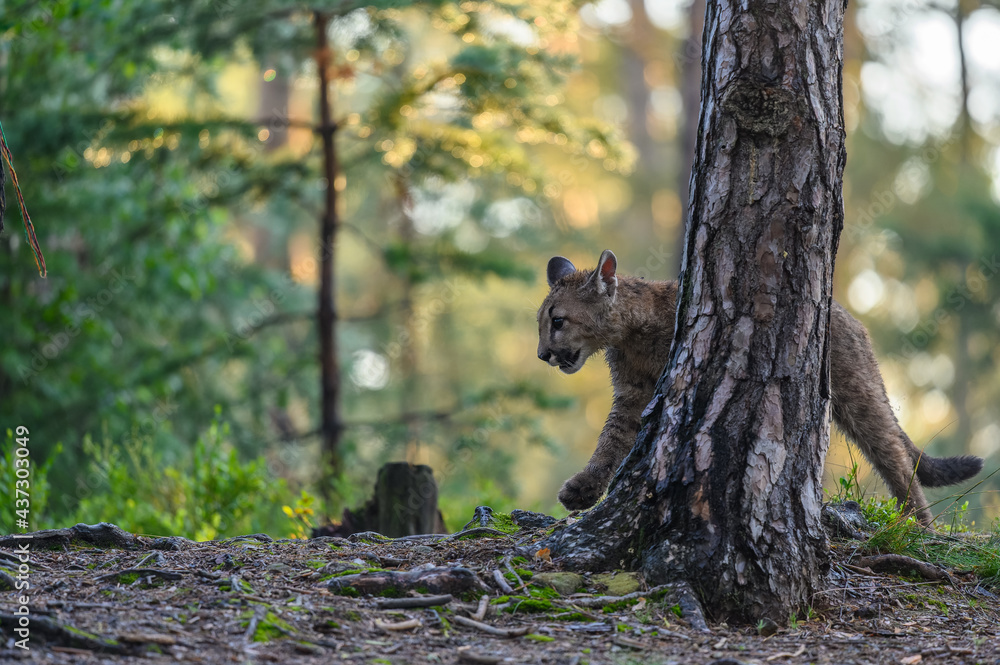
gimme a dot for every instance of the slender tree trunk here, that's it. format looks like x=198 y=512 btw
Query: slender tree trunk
x=407 y=311
x=724 y=486
x=963 y=364
x=331 y=425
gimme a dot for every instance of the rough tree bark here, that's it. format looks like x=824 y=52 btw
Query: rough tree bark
x=723 y=487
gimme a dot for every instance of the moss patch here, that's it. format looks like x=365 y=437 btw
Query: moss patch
x=270 y=627
x=617 y=584
x=562 y=583
x=503 y=522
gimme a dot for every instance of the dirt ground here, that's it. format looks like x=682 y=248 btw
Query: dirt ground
x=257 y=600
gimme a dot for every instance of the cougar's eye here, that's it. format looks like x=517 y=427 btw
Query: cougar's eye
x=557 y=323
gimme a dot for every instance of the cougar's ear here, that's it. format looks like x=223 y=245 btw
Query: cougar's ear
x=604 y=276
x=558 y=268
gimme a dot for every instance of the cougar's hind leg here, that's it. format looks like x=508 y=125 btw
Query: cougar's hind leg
x=862 y=411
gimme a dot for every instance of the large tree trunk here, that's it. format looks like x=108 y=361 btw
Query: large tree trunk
x=723 y=488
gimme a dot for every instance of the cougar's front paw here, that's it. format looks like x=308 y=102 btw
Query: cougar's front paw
x=581 y=491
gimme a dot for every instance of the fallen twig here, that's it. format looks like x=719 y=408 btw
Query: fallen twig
x=402 y=625
x=785 y=654
x=621 y=640
x=484 y=604
x=168 y=575
x=464 y=654
x=478 y=531
x=601 y=601
x=502 y=582
x=420 y=601
x=491 y=630
x=510 y=568
x=690 y=607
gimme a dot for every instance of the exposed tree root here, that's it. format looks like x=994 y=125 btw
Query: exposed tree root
x=103 y=535
x=53 y=633
x=454 y=581
x=897 y=564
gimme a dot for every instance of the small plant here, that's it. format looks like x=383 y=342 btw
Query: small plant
x=850 y=486
x=883 y=512
x=301 y=516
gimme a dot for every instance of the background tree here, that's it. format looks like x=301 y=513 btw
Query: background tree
x=723 y=488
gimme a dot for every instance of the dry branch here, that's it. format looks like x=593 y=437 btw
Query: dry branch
x=502 y=582
x=167 y=575
x=410 y=624
x=420 y=601
x=492 y=630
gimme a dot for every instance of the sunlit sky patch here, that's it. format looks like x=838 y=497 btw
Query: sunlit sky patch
x=606 y=13
x=370 y=370
x=915 y=81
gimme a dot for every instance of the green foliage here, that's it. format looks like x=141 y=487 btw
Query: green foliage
x=211 y=493
x=38 y=486
x=152 y=315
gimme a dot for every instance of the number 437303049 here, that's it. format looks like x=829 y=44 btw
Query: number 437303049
x=22 y=463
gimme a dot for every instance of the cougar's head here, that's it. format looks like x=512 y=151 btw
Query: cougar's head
x=572 y=320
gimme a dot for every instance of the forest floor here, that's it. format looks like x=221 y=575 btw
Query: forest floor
x=102 y=596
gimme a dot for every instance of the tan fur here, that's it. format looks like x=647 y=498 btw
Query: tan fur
x=632 y=321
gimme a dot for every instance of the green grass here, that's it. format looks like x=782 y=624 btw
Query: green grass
x=952 y=545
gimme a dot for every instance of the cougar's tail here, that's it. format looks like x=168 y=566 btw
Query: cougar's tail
x=941 y=471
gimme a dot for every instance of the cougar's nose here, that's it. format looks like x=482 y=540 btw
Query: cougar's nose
x=544 y=356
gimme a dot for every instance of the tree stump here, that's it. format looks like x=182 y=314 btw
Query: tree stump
x=404 y=504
